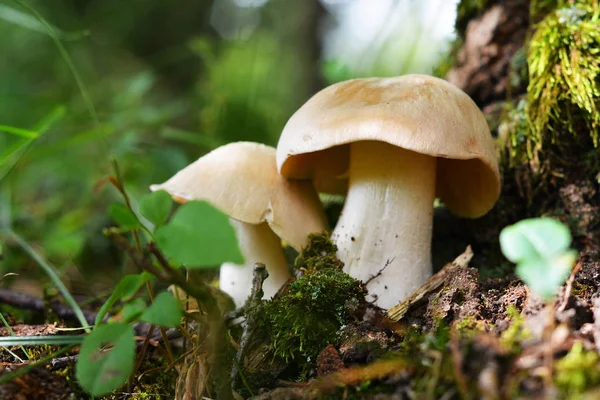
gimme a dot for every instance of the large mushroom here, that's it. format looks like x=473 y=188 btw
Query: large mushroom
x=394 y=144
x=241 y=180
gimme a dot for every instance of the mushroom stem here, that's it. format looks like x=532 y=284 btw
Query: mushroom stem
x=258 y=243
x=384 y=232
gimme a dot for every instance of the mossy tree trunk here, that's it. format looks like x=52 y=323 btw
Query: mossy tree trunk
x=531 y=67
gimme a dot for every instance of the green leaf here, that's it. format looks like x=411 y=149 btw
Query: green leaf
x=132 y=310
x=100 y=370
x=199 y=236
x=165 y=311
x=156 y=207
x=540 y=247
x=123 y=216
x=545 y=276
x=534 y=238
x=126 y=288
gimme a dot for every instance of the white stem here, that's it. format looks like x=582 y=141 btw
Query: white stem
x=258 y=243
x=385 y=226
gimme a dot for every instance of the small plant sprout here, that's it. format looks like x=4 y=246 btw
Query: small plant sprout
x=540 y=248
x=394 y=144
x=241 y=180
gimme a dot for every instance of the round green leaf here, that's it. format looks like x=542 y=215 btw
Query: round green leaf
x=156 y=207
x=199 y=236
x=164 y=311
x=123 y=216
x=534 y=238
x=132 y=310
x=126 y=288
x=100 y=370
x=545 y=276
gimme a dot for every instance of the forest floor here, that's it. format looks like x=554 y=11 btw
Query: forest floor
x=459 y=336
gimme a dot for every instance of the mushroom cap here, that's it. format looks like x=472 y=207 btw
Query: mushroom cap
x=420 y=113
x=241 y=180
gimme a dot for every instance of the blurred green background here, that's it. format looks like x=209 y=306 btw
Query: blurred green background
x=156 y=84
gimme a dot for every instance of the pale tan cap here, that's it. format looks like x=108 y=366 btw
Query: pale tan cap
x=241 y=179
x=415 y=112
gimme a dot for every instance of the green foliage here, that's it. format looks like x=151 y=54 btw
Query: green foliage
x=100 y=370
x=240 y=100
x=516 y=130
x=320 y=253
x=335 y=71
x=128 y=286
x=132 y=310
x=430 y=352
x=540 y=248
x=564 y=74
x=308 y=316
x=164 y=311
x=540 y=8
x=156 y=207
x=578 y=371
x=123 y=216
x=199 y=236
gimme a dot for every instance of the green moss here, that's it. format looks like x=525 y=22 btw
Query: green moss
x=578 y=371
x=515 y=130
x=539 y=8
x=564 y=75
x=468 y=325
x=308 y=316
x=512 y=337
x=518 y=75
x=320 y=253
x=433 y=375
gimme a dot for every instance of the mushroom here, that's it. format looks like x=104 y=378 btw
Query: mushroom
x=394 y=144
x=241 y=179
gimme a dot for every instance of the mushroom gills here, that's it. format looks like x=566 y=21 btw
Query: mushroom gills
x=257 y=243
x=384 y=232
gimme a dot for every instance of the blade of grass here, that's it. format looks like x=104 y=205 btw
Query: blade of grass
x=21 y=149
x=16 y=17
x=24 y=145
x=13 y=354
x=78 y=139
x=49 y=120
x=19 y=132
x=52 y=273
x=65 y=55
x=13 y=148
x=12 y=333
x=40 y=340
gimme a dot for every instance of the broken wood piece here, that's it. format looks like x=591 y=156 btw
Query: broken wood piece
x=398 y=312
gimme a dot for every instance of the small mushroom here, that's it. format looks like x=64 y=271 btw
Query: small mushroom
x=394 y=144
x=241 y=180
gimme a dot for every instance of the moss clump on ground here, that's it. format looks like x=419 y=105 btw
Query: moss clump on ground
x=512 y=337
x=564 y=74
x=308 y=316
x=433 y=375
x=320 y=253
x=578 y=371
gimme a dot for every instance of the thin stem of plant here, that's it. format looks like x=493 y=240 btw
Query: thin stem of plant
x=53 y=274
